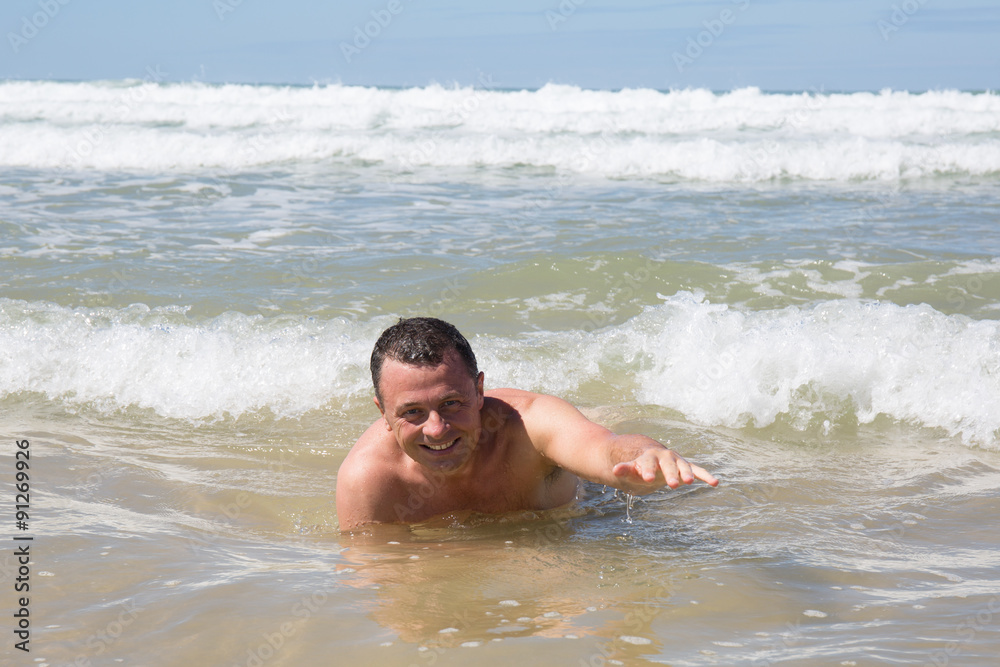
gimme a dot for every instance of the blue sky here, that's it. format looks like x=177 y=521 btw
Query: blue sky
x=815 y=45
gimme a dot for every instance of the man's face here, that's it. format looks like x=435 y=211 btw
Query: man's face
x=433 y=411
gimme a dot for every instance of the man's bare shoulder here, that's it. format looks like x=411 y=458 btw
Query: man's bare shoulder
x=510 y=409
x=509 y=392
x=518 y=399
x=375 y=438
x=539 y=418
x=545 y=419
x=531 y=405
x=369 y=473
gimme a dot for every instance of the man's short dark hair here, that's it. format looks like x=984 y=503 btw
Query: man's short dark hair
x=420 y=341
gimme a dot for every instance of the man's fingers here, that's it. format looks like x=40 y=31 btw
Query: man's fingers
x=704 y=475
x=675 y=470
x=648 y=466
x=635 y=468
x=624 y=469
x=678 y=470
x=684 y=470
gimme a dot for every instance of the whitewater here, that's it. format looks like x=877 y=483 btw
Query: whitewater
x=744 y=136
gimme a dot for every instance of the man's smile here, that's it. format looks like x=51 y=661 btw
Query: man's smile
x=441 y=447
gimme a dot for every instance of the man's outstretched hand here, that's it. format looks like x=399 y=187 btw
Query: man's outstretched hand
x=655 y=468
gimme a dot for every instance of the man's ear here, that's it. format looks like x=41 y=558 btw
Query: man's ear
x=382 y=412
x=479 y=388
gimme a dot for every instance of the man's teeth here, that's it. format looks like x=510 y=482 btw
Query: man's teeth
x=438 y=448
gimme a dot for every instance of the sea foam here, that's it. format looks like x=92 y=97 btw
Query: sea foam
x=842 y=361
x=839 y=361
x=834 y=360
x=163 y=360
x=744 y=136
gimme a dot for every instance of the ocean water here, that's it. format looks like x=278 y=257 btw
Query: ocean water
x=799 y=291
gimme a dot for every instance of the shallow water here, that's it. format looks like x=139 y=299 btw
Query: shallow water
x=218 y=544
x=185 y=327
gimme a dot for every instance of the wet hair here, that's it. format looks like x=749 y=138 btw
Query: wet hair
x=420 y=341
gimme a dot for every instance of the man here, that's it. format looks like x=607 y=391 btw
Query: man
x=443 y=444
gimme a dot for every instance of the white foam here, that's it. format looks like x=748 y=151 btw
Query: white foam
x=638 y=641
x=824 y=363
x=720 y=365
x=830 y=362
x=975 y=266
x=743 y=135
x=162 y=360
x=762 y=280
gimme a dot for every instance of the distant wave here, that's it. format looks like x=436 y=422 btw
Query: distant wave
x=742 y=136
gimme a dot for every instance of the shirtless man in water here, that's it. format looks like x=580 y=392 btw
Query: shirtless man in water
x=443 y=444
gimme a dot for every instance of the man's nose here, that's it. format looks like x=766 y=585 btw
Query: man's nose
x=435 y=426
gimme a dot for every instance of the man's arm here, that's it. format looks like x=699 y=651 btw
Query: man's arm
x=363 y=493
x=633 y=463
x=355 y=506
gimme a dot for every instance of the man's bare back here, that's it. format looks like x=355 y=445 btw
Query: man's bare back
x=442 y=444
